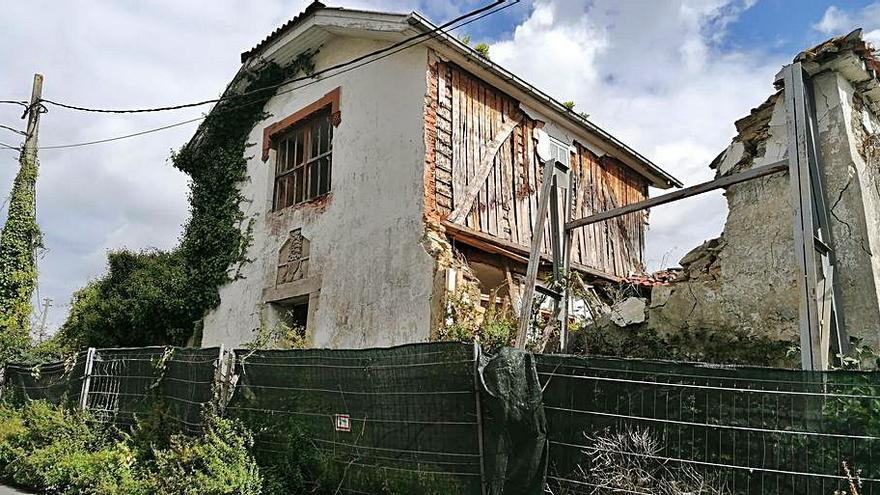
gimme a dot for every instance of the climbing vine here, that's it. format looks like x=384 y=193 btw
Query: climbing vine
x=151 y=298
x=18 y=270
x=217 y=235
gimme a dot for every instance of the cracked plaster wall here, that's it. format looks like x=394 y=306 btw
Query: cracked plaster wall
x=746 y=279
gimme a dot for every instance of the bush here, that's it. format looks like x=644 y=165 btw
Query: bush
x=141 y=301
x=217 y=463
x=467 y=321
x=57 y=450
x=630 y=461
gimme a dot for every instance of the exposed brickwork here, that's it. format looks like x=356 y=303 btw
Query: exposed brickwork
x=431 y=212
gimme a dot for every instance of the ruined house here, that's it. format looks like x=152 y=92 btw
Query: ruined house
x=745 y=280
x=373 y=184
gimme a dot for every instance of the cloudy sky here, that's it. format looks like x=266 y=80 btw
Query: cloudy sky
x=667 y=77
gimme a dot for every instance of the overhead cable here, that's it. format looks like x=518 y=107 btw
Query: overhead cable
x=342 y=69
x=341 y=65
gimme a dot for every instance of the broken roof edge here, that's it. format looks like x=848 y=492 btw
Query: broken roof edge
x=851 y=56
x=642 y=165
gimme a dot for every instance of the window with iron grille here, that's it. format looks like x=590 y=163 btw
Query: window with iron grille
x=304 y=160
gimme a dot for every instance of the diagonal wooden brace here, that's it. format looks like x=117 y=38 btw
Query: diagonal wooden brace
x=467 y=201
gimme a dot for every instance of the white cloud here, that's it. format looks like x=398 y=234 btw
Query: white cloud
x=654 y=75
x=837 y=21
x=833 y=21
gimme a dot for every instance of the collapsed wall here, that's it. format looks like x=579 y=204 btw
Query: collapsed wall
x=744 y=281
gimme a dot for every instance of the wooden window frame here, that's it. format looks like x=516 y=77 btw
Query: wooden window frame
x=278 y=137
x=303 y=167
x=330 y=99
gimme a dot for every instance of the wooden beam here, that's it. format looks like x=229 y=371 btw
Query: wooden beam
x=463 y=207
x=515 y=252
x=525 y=318
x=687 y=192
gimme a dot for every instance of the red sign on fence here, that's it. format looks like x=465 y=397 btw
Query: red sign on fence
x=343 y=422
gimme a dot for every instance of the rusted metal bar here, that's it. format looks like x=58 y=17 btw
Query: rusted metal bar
x=687 y=192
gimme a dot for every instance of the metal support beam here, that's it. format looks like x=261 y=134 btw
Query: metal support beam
x=821 y=318
x=554 y=176
x=687 y=192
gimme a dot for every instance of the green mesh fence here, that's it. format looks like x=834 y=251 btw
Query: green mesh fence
x=410 y=419
x=121 y=382
x=58 y=382
x=128 y=383
x=188 y=383
x=398 y=420
x=743 y=430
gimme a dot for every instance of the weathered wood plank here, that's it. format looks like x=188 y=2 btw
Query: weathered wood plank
x=482 y=171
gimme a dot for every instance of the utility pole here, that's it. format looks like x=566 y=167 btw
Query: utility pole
x=29 y=153
x=47 y=303
x=20 y=236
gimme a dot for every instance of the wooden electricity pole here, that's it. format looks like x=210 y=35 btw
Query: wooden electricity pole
x=20 y=236
x=29 y=153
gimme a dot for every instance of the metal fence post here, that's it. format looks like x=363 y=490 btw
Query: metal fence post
x=220 y=374
x=477 y=391
x=87 y=379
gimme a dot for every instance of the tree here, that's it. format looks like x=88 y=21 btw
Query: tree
x=141 y=301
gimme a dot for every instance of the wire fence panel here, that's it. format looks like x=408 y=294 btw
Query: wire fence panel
x=122 y=383
x=404 y=418
x=58 y=382
x=409 y=419
x=741 y=430
x=188 y=383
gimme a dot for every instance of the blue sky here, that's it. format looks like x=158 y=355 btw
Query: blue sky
x=668 y=77
x=783 y=26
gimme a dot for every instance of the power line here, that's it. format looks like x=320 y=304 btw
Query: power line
x=126 y=136
x=275 y=86
x=13 y=129
x=6 y=146
x=14 y=102
x=345 y=67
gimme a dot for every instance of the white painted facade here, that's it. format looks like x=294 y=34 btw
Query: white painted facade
x=370 y=280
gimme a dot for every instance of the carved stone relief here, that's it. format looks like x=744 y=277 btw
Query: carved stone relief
x=293 y=258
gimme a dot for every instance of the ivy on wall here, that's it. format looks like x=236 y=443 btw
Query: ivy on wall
x=18 y=269
x=154 y=297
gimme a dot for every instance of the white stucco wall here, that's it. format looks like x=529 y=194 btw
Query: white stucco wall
x=375 y=276
x=853 y=202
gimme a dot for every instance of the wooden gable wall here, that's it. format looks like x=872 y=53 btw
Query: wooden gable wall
x=463 y=113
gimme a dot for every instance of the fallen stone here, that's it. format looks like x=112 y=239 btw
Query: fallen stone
x=630 y=311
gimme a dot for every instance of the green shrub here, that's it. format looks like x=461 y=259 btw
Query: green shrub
x=57 y=450
x=467 y=321
x=216 y=464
